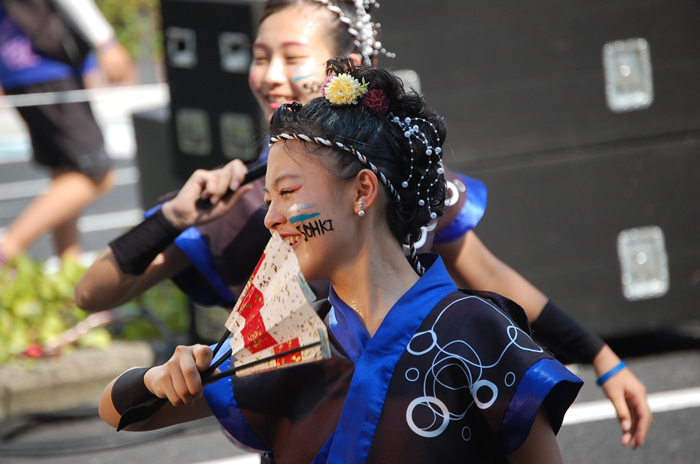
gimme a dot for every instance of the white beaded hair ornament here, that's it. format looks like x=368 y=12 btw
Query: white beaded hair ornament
x=363 y=30
x=413 y=132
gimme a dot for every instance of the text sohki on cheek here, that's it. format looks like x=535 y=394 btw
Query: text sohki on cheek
x=315 y=228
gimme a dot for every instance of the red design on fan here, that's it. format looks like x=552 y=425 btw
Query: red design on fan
x=252 y=303
x=255 y=335
x=290 y=358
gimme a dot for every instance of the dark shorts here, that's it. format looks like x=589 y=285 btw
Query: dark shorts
x=65 y=134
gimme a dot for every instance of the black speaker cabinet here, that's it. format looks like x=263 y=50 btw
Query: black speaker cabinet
x=154 y=155
x=207 y=46
x=583 y=119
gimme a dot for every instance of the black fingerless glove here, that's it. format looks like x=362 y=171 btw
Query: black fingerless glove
x=565 y=337
x=132 y=400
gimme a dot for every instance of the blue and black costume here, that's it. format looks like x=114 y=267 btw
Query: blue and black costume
x=449 y=376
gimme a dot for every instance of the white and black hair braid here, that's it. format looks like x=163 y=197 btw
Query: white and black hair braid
x=349 y=149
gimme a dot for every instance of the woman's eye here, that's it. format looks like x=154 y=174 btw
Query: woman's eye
x=286 y=192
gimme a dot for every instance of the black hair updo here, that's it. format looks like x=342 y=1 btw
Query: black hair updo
x=382 y=141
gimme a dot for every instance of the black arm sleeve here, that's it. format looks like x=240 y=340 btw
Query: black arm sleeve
x=136 y=249
x=565 y=337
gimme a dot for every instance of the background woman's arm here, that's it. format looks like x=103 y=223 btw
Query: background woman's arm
x=104 y=285
x=107 y=284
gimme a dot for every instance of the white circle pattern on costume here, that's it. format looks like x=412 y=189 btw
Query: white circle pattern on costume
x=422 y=352
x=425 y=401
x=469 y=434
x=447 y=357
x=414 y=374
x=474 y=390
x=452 y=194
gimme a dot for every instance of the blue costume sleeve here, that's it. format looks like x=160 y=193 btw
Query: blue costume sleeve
x=547 y=382
x=471 y=212
x=222 y=402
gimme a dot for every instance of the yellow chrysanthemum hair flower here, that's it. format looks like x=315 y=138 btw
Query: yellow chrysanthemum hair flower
x=344 y=89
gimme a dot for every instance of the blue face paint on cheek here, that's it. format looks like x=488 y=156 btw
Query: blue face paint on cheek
x=302 y=217
x=297 y=79
x=311 y=86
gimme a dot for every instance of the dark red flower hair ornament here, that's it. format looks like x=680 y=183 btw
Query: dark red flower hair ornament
x=376 y=101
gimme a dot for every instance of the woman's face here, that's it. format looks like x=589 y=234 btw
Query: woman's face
x=289 y=56
x=311 y=209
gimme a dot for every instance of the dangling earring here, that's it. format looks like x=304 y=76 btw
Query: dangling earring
x=360 y=213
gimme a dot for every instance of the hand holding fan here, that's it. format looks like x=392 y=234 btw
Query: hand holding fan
x=273 y=324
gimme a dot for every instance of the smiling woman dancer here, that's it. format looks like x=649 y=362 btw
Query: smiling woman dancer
x=212 y=261
x=420 y=372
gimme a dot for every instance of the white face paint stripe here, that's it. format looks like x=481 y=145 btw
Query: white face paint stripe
x=298 y=207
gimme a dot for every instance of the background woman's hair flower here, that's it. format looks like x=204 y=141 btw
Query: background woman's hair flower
x=344 y=89
x=376 y=101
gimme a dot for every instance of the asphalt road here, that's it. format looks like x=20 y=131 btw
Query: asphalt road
x=594 y=438
x=673 y=437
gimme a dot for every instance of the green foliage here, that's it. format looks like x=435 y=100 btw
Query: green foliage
x=166 y=304
x=135 y=21
x=35 y=306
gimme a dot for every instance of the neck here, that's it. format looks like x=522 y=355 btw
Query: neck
x=374 y=279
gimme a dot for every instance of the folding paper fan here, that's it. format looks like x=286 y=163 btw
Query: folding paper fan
x=272 y=323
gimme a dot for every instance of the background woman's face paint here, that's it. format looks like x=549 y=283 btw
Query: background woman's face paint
x=288 y=57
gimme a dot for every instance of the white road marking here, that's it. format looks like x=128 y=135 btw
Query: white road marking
x=32 y=188
x=157 y=92
x=109 y=221
x=106 y=221
x=658 y=402
x=245 y=459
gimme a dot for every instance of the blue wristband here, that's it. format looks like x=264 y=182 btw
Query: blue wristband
x=605 y=377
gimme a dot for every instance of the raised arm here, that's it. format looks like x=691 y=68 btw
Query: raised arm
x=144 y=256
x=105 y=286
x=472 y=265
x=92 y=26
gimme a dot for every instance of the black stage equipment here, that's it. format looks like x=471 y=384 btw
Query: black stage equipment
x=154 y=155
x=207 y=45
x=582 y=118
